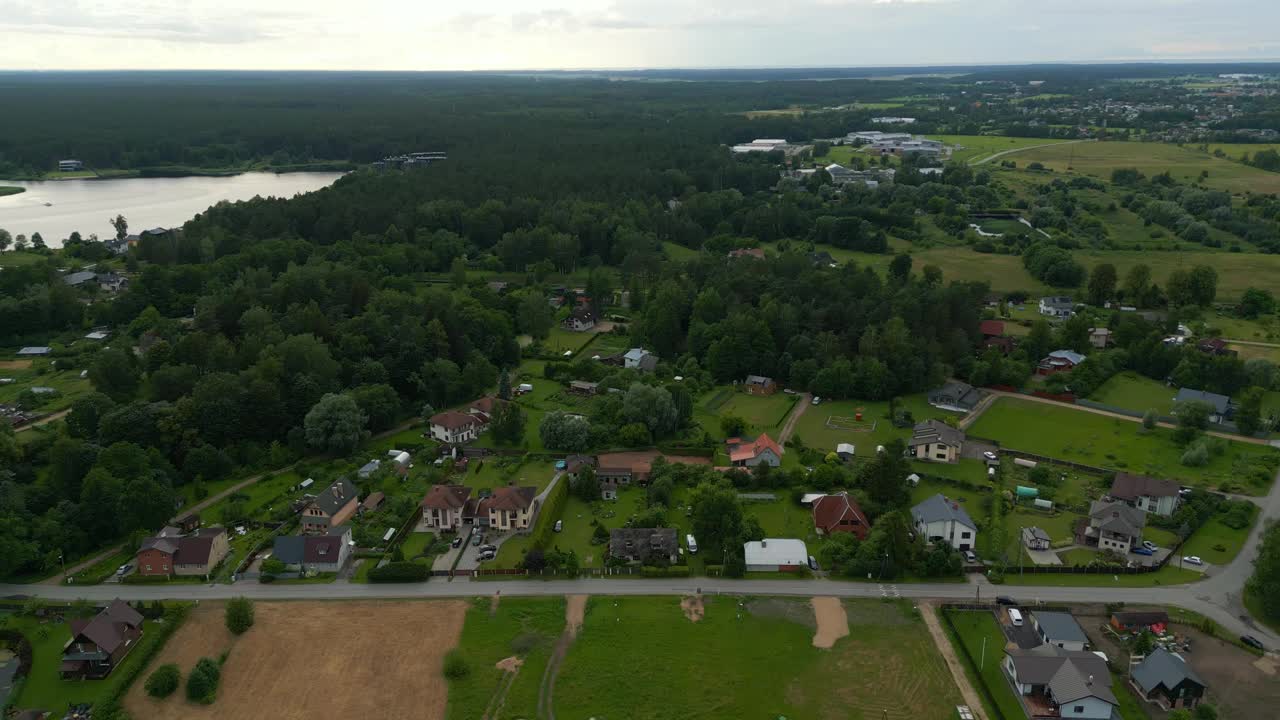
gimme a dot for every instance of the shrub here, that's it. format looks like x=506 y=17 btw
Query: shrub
x=400 y=572
x=202 y=683
x=455 y=666
x=1196 y=456
x=164 y=681
x=239 y=615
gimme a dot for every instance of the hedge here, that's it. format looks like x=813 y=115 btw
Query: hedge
x=397 y=572
x=665 y=572
x=551 y=509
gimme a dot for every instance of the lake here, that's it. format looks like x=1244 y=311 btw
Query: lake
x=88 y=205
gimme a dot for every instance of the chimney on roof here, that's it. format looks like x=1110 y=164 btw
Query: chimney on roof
x=1090 y=679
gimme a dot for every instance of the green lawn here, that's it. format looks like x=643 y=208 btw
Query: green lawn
x=500 y=471
x=44 y=688
x=783 y=519
x=11 y=190
x=876 y=429
x=1068 y=434
x=1135 y=392
x=1167 y=575
x=102 y=570
x=68 y=383
x=679 y=253
x=977 y=147
x=1058 y=525
x=971 y=630
x=519 y=626
x=763 y=413
x=749 y=658
x=1215 y=534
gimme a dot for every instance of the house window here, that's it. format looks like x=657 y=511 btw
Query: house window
x=964 y=536
x=148 y=568
x=1078 y=709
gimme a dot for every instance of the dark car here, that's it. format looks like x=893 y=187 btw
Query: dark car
x=1141 y=551
x=1005 y=600
x=1252 y=642
x=457 y=542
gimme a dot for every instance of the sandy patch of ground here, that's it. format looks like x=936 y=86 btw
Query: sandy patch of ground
x=1266 y=665
x=693 y=608
x=304 y=660
x=14 y=364
x=493 y=603
x=510 y=664
x=833 y=624
x=575 y=608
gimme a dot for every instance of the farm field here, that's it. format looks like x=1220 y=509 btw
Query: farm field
x=977 y=147
x=44 y=688
x=266 y=666
x=766 y=664
x=1132 y=391
x=496 y=630
x=1184 y=164
x=814 y=429
x=1067 y=434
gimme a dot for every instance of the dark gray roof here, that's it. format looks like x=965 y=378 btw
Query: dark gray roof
x=1131 y=487
x=1220 y=403
x=1066 y=672
x=1162 y=667
x=79 y=278
x=645 y=543
x=940 y=509
x=289 y=549
x=936 y=431
x=1117 y=517
x=335 y=497
x=1060 y=626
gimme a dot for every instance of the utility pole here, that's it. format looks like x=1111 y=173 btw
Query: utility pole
x=982 y=664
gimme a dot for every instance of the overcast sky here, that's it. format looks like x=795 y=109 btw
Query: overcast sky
x=515 y=34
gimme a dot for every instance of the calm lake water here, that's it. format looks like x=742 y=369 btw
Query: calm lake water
x=88 y=205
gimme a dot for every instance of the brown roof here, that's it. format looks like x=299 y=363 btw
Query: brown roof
x=109 y=628
x=322 y=548
x=1130 y=487
x=196 y=549
x=829 y=510
x=740 y=450
x=446 y=497
x=487 y=404
x=511 y=498
x=991 y=327
x=453 y=420
x=374 y=500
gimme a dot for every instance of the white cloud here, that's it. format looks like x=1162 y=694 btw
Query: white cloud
x=512 y=34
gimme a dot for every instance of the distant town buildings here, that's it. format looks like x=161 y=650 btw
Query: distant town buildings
x=413 y=159
x=760 y=145
x=70 y=165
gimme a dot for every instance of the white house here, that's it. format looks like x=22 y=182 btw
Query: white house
x=940 y=519
x=1146 y=493
x=775 y=555
x=1058 y=306
x=1067 y=683
x=1060 y=630
x=455 y=427
x=639 y=359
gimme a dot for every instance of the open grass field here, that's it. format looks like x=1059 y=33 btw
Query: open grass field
x=516 y=627
x=1067 y=434
x=1206 y=540
x=783 y=519
x=976 y=147
x=1237 y=151
x=750 y=657
x=822 y=425
x=763 y=413
x=27 y=374
x=577 y=529
x=387 y=664
x=1183 y=163
x=44 y=688
x=1135 y=392
x=14 y=258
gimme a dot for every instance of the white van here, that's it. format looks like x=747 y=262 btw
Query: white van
x=1015 y=617
x=692 y=543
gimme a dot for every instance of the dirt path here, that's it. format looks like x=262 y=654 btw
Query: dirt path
x=44 y=420
x=982 y=407
x=967 y=691
x=202 y=505
x=574 y=610
x=511 y=667
x=790 y=427
x=989 y=158
x=833 y=622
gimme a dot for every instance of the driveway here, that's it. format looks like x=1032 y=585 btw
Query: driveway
x=1044 y=557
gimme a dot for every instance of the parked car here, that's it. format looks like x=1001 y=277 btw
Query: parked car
x=124 y=569
x=1005 y=600
x=1150 y=545
x=1142 y=551
x=487 y=555
x=488 y=549
x=559 y=525
x=477 y=539
x=989 y=455
x=457 y=542
x=1252 y=642
x=970 y=556
x=816 y=400
x=1193 y=559
x=788 y=391
x=813 y=563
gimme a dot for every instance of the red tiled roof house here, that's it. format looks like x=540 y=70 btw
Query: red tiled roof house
x=839 y=513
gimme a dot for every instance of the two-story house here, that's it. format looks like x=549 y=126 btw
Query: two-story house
x=327 y=553
x=1166 y=679
x=640 y=359
x=839 y=513
x=1154 y=495
x=935 y=441
x=749 y=453
x=197 y=554
x=580 y=320
x=940 y=519
x=455 y=428
x=443 y=506
x=1058 y=306
x=1114 y=526
x=508 y=508
x=332 y=507
x=98 y=645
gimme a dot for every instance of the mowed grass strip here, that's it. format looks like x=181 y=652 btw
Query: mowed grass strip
x=1132 y=391
x=641 y=658
x=1064 y=433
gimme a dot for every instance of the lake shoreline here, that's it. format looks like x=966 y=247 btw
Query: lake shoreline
x=177 y=171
